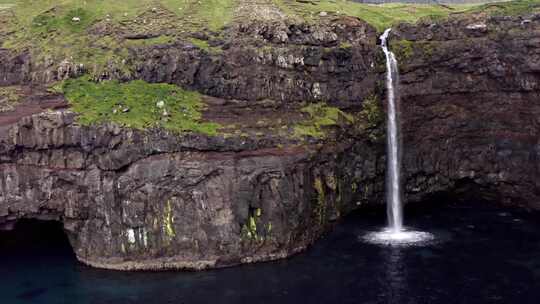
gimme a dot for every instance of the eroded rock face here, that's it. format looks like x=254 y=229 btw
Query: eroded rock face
x=283 y=61
x=154 y=200
x=471 y=104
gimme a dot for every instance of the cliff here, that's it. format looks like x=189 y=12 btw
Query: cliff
x=470 y=95
x=280 y=130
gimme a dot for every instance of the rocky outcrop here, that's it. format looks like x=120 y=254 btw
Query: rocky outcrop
x=282 y=61
x=152 y=199
x=470 y=91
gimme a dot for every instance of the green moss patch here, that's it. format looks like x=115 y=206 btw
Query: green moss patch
x=403 y=49
x=204 y=45
x=9 y=98
x=371 y=118
x=320 y=116
x=254 y=229
x=138 y=105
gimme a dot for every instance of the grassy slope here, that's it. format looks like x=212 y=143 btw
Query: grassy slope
x=212 y=13
x=380 y=16
x=387 y=15
x=509 y=8
x=137 y=104
x=92 y=32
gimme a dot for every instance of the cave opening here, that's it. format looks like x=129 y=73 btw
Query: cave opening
x=35 y=238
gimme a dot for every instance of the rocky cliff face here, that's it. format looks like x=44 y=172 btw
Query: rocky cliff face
x=132 y=200
x=152 y=199
x=470 y=95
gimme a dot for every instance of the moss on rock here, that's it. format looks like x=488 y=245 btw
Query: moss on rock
x=320 y=116
x=9 y=98
x=138 y=104
x=403 y=49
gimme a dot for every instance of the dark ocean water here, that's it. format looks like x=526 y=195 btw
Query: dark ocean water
x=485 y=255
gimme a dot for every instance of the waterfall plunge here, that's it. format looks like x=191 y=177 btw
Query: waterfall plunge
x=393 y=183
x=395 y=234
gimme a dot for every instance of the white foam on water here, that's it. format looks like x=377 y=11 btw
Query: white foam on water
x=404 y=237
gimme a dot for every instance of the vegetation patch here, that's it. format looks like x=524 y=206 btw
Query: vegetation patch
x=9 y=98
x=371 y=118
x=159 y=40
x=509 y=8
x=427 y=47
x=320 y=116
x=249 y=230
x=320 y=208
x=137 y=104
x=403 y=49
x=345 y=46
x=168 y=221
x=389 y=14
x=203 y=45
x=380 y=16
x=93 y=33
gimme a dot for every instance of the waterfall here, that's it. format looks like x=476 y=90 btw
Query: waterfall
x=395 y=234
x=393 y=180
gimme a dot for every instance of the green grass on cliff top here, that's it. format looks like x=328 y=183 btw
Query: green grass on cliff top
x=509 y=8
x=386 y=15
x=93 y=32
x=212 y=14
x=138 y=105
x=380 y=16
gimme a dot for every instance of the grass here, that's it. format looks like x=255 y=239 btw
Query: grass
x=510 y=8
x=403 y=49
x=159 y=40
x=380 y=16
x=138 y=105
x=320 y=116
x=387 y=15
x=9 y=98
x=213 y=14
x=203 y=45
x=371 y=118
x=57 y=30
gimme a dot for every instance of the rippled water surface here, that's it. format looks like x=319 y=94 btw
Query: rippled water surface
x=483 y=255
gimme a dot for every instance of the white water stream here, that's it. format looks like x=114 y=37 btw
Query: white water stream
x=395 y=234
x=393 y=183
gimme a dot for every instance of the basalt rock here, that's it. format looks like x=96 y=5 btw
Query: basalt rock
x=282 y=61
x=152 y=200
x=471 y=102
x=132 y=199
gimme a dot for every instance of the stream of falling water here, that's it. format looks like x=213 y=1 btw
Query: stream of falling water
x=395 y=234
x=393 y=184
